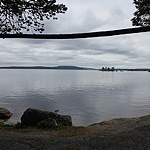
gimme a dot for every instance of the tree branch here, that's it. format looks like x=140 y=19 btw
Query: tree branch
x=78 y=35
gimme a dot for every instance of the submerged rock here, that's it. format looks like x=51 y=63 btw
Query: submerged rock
x=5 y=114
x=34 y=117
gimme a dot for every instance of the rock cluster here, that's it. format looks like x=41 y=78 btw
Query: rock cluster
x=5 y=114
x=35 y=117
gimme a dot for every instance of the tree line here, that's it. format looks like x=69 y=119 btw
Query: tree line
x=107 y=69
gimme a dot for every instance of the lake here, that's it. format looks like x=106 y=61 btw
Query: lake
x=88 y=96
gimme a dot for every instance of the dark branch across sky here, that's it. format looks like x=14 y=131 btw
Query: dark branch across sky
x=78 y=35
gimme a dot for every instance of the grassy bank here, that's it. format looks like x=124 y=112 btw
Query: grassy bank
x=61 y=131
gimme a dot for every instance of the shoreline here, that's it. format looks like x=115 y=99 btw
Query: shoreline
x=120 y=133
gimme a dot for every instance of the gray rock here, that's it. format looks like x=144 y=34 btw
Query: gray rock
x=33 y=117
x=5 y=114
x=64 y=120
x=49 y=123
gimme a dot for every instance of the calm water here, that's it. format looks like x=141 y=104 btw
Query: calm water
x=88 y=96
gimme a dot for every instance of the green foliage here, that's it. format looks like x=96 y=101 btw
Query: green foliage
x=18 y=15
x=142 y=15
x=56 y=111
x=1 y=123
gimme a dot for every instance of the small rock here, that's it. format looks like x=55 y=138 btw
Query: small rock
x=5 y=114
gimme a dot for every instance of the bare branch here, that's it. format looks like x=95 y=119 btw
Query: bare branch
x=78 y=35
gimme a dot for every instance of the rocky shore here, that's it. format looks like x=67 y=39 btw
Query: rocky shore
x=116 y=134
x=5 y=114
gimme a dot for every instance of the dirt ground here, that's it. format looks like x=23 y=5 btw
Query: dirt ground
x=116 y=134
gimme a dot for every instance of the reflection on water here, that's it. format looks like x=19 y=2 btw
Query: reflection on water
x=88 y=96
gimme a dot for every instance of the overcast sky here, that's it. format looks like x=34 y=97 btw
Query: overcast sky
x=125 y=51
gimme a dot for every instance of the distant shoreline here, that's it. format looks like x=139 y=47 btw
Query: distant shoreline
x=70 y=68
x=42 y=67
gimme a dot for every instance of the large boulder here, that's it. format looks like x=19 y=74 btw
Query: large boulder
x=34 y=117
x=5 y=114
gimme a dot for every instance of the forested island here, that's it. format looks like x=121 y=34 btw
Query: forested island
x=107 y=69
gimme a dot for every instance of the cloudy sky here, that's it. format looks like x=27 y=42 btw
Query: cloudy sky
x=125 y=51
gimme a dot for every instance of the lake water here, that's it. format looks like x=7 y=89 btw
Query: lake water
x=88 y=96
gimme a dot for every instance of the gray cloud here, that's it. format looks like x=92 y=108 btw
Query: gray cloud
x=83 y=16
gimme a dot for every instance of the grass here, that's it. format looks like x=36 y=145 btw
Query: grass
x=69 y=131
x=61 y=131
x=1 y=124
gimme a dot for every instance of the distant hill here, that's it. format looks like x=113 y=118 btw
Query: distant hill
x=42 y=67
x=70 y=68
